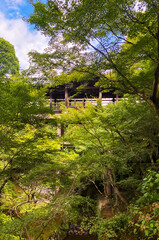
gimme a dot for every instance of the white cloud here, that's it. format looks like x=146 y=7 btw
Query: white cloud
x=16 y=32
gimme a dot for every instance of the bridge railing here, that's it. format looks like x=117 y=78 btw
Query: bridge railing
x=81 y=102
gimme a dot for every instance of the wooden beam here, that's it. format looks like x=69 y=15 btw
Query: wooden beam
x=100 y=93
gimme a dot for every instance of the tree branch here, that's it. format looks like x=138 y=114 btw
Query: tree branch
x=4 y=183
x=75 y=178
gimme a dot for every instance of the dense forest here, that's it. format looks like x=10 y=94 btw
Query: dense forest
x=99 y=177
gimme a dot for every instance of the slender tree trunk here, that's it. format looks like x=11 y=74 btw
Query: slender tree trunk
x=116 y=190
x=155 y=94
x=151 y=158
x=107 y=186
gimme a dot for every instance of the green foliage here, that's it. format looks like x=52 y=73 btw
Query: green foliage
x=110 y=145
x=27 y=144
x=113 y=137
x=150 y=188
x=124 y=125
x=44 y=187
x=146 y=220
x=80 y=208
x=8 y=61
x=24 y=226
x=119 y=36
x=20 y=101
x=109 y=229
x=145 y=215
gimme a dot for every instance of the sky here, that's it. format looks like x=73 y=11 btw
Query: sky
x=18 y=32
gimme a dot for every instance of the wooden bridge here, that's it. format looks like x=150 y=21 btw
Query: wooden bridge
x=78 y=103
x=79 y=94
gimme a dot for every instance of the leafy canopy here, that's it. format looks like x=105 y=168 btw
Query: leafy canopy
x=8 y=61
x=122 y=36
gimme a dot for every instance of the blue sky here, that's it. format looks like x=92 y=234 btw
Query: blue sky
x=19 y=33
x=16 y=8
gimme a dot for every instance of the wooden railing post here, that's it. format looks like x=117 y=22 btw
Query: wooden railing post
x=100 y=93
x=99 y=101
x=84 y=102
x=66 y=96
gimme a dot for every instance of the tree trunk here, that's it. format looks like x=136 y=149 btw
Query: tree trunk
x=116 y=190
x=155 y=94
x=3 y=184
